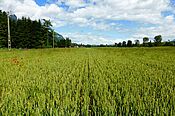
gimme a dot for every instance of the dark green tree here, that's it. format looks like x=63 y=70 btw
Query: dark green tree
x=145 y=41
x=26 y=33
x=62 y=43
x=119 y=44
x=150 y=44
x=158 y=40
x=129 y=43
x=115 y=44
x=137 y=43
x=173 y=42
x=3 y=29
x=124 y=44
x=68 y=42
x=168 y=43
x=47 y=25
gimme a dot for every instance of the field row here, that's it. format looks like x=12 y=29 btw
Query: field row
x=96 y=81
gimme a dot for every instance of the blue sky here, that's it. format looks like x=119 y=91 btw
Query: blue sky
x=101 y=21
x=41 y=2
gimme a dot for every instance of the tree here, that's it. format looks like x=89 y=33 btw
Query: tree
x=150 y=44
x=157 y=40
x=47 y=25
x=124 y=44
x=168 y=43
x=3 y=29
x=62 y=43
x=26 y=33
x=21 y=40
x=37 y=38
x=119 y=44
x=173 y=42
x=137 y=42
x=129 y=44
x=68 y=42
x=145 y=41
x=115 y=44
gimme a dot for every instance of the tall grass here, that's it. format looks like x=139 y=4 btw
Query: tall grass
x=96 y=81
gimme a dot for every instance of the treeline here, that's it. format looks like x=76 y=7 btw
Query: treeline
x=26 y=33
x=146 y=42
x=136 y=43
x=157 y=41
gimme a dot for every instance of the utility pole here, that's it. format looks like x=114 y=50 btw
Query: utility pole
x=9 y=39
x=53 y=39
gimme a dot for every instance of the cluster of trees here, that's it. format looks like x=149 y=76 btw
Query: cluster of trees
x=64 y=43
x=146 y=42
x=26 y=33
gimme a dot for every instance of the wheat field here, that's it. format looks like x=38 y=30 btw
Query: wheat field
x=88 y=81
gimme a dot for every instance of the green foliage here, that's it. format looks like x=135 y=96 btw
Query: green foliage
x=137 y=43
x=119 y=44
x=3 y=29
x=158 y=40
x=68 y=42
x=124 y=44
x=26 y=33
x=129 y=44
x=168 y=43
x=145 y=41
x=47 y=27
x=64 y=43
x=92 y=81
x=150 y=44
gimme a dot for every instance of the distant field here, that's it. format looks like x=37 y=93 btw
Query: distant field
x=94 y=81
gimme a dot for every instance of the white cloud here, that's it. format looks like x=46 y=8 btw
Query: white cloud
x=73 y=3
x=135 y=10
x=29 y=8
x=90 y=38
x=166 y=29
